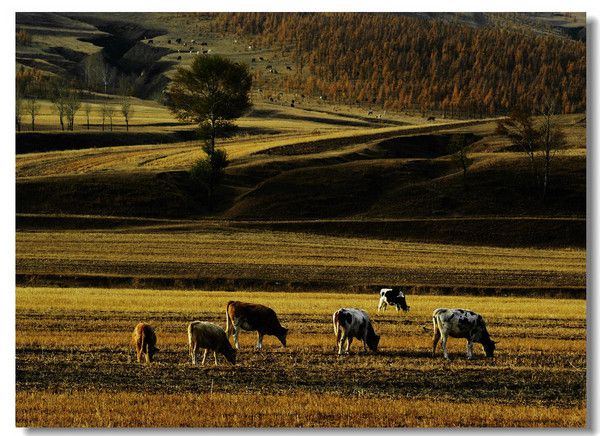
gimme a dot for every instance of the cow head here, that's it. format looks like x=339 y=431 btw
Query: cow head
x=230 y=355
x=402 y=302
x=152 y=350
x=282 y=336
x=489 y=346
x=373 y=341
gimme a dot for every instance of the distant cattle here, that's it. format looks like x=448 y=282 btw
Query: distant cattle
x=461 y=323
x=178 y=58
x=253 y=59
x=210 y=337
x=287 y=67
x=253 y=317
x=431 y=119
x=178 y=40
x=392 y=297
x=203 y=43
x=143 y=341
x=168 y=41
x=354 y=323
x=260 y=58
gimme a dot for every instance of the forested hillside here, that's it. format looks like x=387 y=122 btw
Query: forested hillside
x=397 y=62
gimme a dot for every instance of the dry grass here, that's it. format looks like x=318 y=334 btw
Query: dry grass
x=206 y=409
x=74 y=367
x=291 y=257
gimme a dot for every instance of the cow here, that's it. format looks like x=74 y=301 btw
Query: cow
x=143 y=341
x=392 y=297
x=253 y=317
x=354 y=323
x=210 y=337
x=431 y=119
x=461 y=323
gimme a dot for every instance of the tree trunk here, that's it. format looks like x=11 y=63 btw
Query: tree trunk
x=126 y=124
x=62 y=123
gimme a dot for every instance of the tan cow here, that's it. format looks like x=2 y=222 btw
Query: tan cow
x=210 y=337
x=143 y=341
x=253 y=317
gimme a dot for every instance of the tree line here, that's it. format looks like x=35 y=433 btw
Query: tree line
x=399 y=61
x=67 y=100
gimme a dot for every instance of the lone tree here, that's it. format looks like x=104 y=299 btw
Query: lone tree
x=212 y=93
x=459 y=147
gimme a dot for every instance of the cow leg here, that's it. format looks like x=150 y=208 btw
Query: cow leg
x=193 y=353
x=444 y=340
x=215 y=354
x=469 y=349
x=236 y=333
x=259 y=342
x=341 y=339
x=348 y=343
x=436 y=338
x=204 y=356
x=139 y=355
x=381 y=304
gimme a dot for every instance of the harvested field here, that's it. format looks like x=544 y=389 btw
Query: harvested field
x=78 y=371
x=229 y=253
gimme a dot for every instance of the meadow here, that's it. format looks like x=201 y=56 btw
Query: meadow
x=79 y=371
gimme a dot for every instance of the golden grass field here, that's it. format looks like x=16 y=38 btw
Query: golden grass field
x=78 y=371
x=209 y=250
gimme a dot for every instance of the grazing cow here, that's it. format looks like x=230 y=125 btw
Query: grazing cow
x=178 y=40
x=210 y=337
x=203 y=43
x=431 y=119
x=392 y=297
x=461 y=323
x=287 y=67
x=354 y=323
x=253 y=317
x=143 y=341
x=178 y=58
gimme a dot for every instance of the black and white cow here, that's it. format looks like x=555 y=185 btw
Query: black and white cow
x=461 y=323
x=354 y=323
x=392 y=297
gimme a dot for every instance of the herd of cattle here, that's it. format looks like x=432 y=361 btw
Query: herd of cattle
x=347 y=325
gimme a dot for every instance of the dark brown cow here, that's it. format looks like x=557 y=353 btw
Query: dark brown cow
x=143 y=341
x=253 y=317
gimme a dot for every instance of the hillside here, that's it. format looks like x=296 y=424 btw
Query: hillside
x=380 y=62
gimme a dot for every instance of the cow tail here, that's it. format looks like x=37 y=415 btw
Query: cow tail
x=189 y=331
x=336 y=322
x=435 y=324
x=143 y=344
x=228 y=321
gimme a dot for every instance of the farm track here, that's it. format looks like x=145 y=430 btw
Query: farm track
x=83 y=348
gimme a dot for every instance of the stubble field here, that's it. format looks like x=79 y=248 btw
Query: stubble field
x=74 y=367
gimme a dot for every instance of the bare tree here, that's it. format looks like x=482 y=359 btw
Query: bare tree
x=59 y=100
x=19 y=109
x=87 y=109
x=458 y=146
x=127 y=111
x=32 y=107
x=520 y=129
x=551 y=138
x=73 y=103
x=108 y=112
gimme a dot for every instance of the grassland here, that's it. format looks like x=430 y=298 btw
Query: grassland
x=78 y=371
x=213 y=252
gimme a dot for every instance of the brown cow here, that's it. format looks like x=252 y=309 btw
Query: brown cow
x=253 y=317
x=143 y=340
